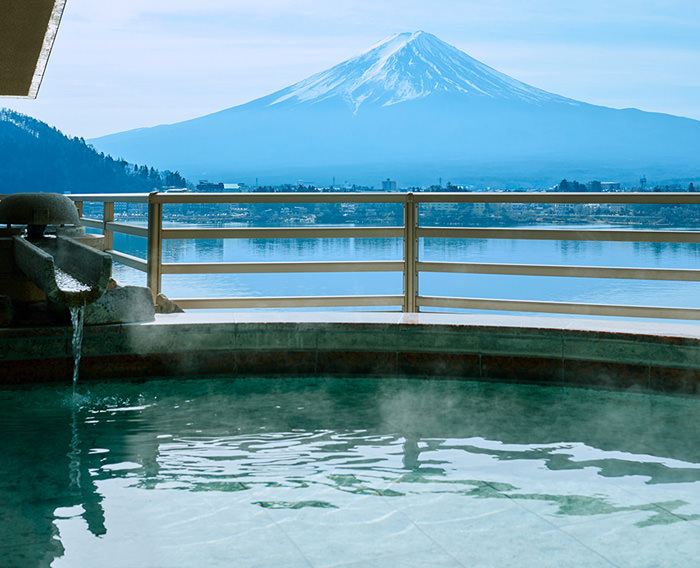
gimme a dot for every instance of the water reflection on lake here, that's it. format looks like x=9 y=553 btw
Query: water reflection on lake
x=593 y=290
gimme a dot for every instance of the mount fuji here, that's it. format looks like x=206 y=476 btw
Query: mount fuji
x=415 y=109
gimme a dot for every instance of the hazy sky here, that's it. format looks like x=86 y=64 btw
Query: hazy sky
x=132 y=63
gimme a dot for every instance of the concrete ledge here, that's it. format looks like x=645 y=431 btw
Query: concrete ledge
x=641 y=356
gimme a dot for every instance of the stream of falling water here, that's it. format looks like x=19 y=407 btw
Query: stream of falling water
x=77 y=317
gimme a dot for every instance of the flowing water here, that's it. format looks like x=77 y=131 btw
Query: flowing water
x=77 y=318
x=68 y=283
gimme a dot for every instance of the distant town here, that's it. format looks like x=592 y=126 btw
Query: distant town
x=437 y=214
x=391 y=185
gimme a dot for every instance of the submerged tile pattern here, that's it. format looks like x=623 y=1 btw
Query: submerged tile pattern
x=589 y=353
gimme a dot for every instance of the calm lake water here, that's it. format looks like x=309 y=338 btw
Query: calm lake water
x=591 y=290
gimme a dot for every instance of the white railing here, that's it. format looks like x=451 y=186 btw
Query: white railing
x=410 y=232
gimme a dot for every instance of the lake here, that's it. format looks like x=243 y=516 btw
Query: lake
x=584 y=290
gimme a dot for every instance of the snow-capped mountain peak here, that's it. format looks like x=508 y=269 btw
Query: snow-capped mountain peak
x=409 y=66
x=416 y=108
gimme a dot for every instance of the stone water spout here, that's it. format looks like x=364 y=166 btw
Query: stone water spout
x=70 y=273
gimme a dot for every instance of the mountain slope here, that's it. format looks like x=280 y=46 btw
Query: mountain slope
x=36 y=157
x=415 y=108
x=407 y=67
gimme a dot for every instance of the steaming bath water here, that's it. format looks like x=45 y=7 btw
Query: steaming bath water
x=356 y=472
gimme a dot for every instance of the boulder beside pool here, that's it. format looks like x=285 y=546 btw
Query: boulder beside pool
x=121 y=304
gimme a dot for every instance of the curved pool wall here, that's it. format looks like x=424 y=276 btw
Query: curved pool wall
x=642 y=356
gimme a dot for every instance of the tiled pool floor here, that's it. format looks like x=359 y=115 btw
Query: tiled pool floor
x=411 y=530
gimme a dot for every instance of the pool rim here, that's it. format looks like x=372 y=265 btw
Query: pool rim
x=643 y=356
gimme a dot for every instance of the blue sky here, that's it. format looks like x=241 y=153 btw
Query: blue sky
x=133 y=63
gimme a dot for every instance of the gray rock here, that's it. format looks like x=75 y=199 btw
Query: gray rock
x=165 y=305
x=123 y=304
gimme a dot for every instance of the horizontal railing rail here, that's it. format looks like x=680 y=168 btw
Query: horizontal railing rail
x=687 y=275
x=284 y=233
x=409 y=232
x=627 y=235
x=282 y=267
x=292 y=302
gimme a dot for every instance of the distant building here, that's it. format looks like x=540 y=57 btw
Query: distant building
x=572 y=186
x=564 y=208
x=208 y=186
x=388 y=185
x=610 y=185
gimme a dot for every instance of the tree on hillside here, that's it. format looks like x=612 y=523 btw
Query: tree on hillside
x=36 y=157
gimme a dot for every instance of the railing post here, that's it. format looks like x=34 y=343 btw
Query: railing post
x=155 y=243
x=108 y=217
x=410 y=254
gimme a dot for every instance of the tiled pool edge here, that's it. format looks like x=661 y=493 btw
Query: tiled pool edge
x=591 y=353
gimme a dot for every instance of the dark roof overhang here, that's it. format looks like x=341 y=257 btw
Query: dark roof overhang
x=27 y=32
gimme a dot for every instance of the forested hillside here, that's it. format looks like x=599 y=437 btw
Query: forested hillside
x=37 y=157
